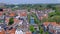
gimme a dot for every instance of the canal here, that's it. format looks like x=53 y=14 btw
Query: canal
x=32 y=20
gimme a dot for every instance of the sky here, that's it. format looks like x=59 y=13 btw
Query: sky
x=28 y=1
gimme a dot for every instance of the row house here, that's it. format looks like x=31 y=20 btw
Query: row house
x=13 y=31
x=10 y=14
x=51 y=27
x=54 y=29
x=22 y=13
x=43 y=13
x=20 y=31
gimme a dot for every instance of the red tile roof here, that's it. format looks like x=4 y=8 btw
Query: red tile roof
x=2 y=32
x=52 y=23
x=12 y=14
x=46 y=23
x=1 y=13
x=23 y=14
x=52 y=30
x=16 y=20
x=11 y=31
x=28 y=32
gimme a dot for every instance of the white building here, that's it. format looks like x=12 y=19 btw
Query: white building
x=0 y=29
x=19 y=32
x=20 y=23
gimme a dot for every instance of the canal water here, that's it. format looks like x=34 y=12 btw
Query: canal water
x=32 y=20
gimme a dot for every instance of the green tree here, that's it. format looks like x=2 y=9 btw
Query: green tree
x=44 y=20
x=36 y=20
x=11 y=21
x=32 y=28
x=52 y=17
x=50 y=20
x=49 y=6
x=56 y=19
x=28 y=9
x=46 y=33
x=58 y=13
x=54 y=8
x=28 y=18
x=41 y=31
x=52 y=14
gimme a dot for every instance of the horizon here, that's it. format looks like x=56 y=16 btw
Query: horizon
x=30 y=1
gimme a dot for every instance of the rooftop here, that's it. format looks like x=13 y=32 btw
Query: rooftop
x=2 y=32
x=23 y=14
x=12 y=31
x=27 y=32
x=1 y=13
x=52 y=23
x=12 y=14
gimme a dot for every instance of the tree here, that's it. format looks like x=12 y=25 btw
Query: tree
x=58 y=13
x=28 y=18
x=44 y=20
x=50 y=20
x=41 y=31
x=56 y=19
x=52 y=14
x=32 y=28
x=49 y=6
x=54 y=8
x=46 y=33
x=36 y=20
x=11 y=21
x=28 y=9
x=57 y=8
